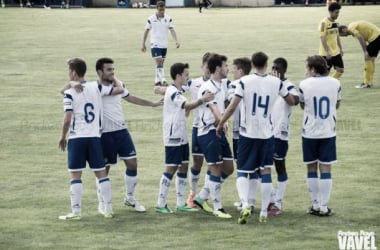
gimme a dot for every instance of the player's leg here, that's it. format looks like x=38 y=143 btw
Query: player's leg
x=310 y=158
x=338 y=66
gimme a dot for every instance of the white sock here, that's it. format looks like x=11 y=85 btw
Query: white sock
x=130 y=186
x=252 y=192
x=100 y=198
x=242 y=186
x=164 y=189
x=281 y=187
x=180 y=185
x=313 y=188
x=215 y=192
x=157 y=76
x=106 y=193
x=266 y=189
x=194 y=178
x=76 y=190
x=325 y=186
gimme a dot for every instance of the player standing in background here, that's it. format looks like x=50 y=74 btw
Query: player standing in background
x=368 y=36
x=175 y=138
x=216 y=149
x=159 y=24
x=204 y=4
x=258 y=93
x=82 y=120
x=116 y=139
x=281 y=113
x=320 y=97
x=330 y=47
x=240 y=68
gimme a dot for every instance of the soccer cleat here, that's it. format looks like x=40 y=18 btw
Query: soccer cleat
x=135 y=204
x=244 y=214
x=108 y=215
x=363 y=86
x=203 y=205
x=329 y=212
x=312 y=211
x=186 y=208
x=263 y=219
x=70 y=216
x=190 y=201
x=163 y=210
x=274 y=211
x=222 y=214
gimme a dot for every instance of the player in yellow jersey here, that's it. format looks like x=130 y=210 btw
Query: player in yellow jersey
x=368 y=35
x=330 y=47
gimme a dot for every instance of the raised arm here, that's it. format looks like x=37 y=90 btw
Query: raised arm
x=142 y=102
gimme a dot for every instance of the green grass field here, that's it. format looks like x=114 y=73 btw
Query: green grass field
x=35 y=44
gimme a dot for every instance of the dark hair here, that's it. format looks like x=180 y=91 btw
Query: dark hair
x=160 y=4
x=318 y=63
x=101 y=61
x=205 y=57
x=334 y=6
x=341 y=28
x=282 y=61
x=214 y=61
x=244 y=64
x=177 y=69
x=259 y=60
x=78 y=65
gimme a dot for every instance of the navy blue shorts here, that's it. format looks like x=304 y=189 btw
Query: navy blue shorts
x=82 y=150
x=280 y=149
x=175 y=156
x=159 y=52
x=254 y=154
x=117 y=143
x=215 y=149
x=195 y=147
x=319 y=150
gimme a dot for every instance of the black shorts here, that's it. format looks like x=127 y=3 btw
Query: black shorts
x=335 y=61
x=374 y=47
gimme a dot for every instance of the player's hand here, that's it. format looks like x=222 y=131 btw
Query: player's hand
x=62 y=144
x=177 y=45
x=158 y=103
x=143 y=48
x=77 y=86
x=208 y=96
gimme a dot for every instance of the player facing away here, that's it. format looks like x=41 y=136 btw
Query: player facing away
x=159 y=24
x=320 y=97
x=216 y=150
x=257 y=93
x=82 y=122
x=368 y=36
x=175 y=138
x=241 y=67
x=116 y=139
x=330 y=47
x=281 y=114
x=204 y=4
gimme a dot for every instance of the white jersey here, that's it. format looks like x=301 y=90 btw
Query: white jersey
x=281 y=113
x=113 y=117
x=159 y=30
x=236 y=114
x=207 y=119
x=258 y=93
x=174 y=125
x=193 y=88
x=87 y=109
x=320 y=95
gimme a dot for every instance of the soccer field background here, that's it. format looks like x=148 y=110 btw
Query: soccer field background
x=35 y=44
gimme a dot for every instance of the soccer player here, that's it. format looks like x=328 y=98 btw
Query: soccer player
x=116 y=139
x=320 y=97
x=330 y=47
x=241 y=67
x=258 y=93
x=82 y=121
x=281 y=122
x=198 y=157
x=216 y=150
x=159 y=24
x=175 y=138
x=368 y=36
x=205 y=4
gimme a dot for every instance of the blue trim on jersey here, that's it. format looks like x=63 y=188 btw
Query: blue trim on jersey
x=241 y=84
x=172 y=97
x=68 y=96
